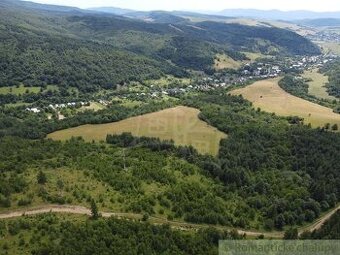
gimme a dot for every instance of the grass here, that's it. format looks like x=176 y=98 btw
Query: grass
x=18 y=90
x=93 y=106
x=165 y=81
x=330 y=47
x=13 y=105
x=223 y=61
x=22 y=89
x=253 y=56
x=317 y=85
x=180 y=124
x=268 y=96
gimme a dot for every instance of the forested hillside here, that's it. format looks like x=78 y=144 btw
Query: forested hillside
x=68 y=47
x=333 y=72
x=268 y=174
x=50 y=234
x=330 y=230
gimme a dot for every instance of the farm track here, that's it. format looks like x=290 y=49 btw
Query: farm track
x=72 y=209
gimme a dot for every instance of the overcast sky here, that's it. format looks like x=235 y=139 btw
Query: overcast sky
x=314 y=5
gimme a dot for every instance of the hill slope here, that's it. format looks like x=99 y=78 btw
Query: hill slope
x=65 y=46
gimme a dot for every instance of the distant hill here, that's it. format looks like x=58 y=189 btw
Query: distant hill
x=112 y=10
x=44 y=44
x=320 y=22
x=156 y=16
x=277 y=14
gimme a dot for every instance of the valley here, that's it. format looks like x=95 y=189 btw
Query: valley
x=129 y=131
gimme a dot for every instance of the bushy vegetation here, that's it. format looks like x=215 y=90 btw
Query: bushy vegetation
x=281 y=175
x=333 y=72
x=288 y=173
x=330 y=229
x=294 y=85
x=49 y=234
x=35 y=126
x=90 y=51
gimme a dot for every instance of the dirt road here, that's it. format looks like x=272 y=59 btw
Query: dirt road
x=73 y=209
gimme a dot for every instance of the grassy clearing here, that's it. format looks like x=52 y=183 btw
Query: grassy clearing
x=271 y=98
x=22 y=89
x=317 y=85
x=17 y=104
x=330 y=47
x=180 y=124
x=223 y=61
x=253 y=56
x=166 y=81
x=18 y=90
x=93 y=106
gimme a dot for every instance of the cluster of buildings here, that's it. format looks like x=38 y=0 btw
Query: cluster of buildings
x=325 y=36
x=269 y=68
x=59 y=106
x=67 y=105
x=33 y=109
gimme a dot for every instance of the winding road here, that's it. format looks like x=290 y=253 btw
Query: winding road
x=73 y=209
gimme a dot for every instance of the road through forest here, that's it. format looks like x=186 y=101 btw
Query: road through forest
x=73 y=209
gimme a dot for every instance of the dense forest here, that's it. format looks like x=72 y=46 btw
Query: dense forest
x=330 y=230
x=50 y=234
x=271 y=173
x=333 y=72
x=88 y=50
x=281 y=174
x=289 y=173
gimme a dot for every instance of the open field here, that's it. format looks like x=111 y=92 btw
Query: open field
x=330 y=47
x=95 y=106
x=224 y=62
x=18 y=90
x=165 y=81
x=180 y=124
x=317 y=85
x=271 y=98
x=22 y=89
x=253 y=56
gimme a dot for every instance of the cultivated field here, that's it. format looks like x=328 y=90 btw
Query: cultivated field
x=317 y=85
x=180 y=124
x=271 y=98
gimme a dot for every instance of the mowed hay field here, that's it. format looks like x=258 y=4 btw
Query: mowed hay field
x=223 y=61
x=270 y=97
x=317 y=85
x=180 y=124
